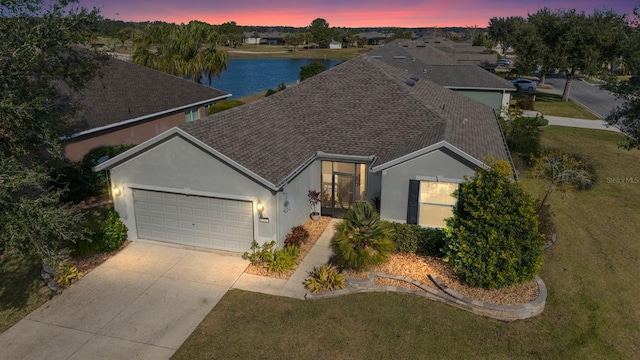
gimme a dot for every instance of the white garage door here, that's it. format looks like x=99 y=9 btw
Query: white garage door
x=213 y=223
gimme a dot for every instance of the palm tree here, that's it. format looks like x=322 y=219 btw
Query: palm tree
x=362 y=240
x=182 y=50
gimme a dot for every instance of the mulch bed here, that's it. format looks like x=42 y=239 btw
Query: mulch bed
x=315 y=229
x=417 y=267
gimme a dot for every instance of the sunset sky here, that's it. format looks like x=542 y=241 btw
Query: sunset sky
x=340 y=13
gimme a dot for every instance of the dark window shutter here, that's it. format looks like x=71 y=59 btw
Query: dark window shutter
x=412 y=207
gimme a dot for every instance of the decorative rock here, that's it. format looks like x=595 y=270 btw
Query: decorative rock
x=47 y=276
x=445 y=295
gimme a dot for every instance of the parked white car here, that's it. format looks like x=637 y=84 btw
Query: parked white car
x=525 y=84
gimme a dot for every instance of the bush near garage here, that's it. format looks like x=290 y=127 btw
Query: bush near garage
x=114 y=233
x=298 y=236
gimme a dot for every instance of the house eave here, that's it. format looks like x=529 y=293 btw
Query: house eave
x=426 y=150
x=475 y=88
x=131 y=153
x=144 y=117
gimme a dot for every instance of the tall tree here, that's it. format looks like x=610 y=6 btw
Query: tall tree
x=321 y=32
x=627 y=116
x=232 y=32
x=294 y=39
x=568 y=41
x=41 y=62
x=182 y=50
x=502 y=30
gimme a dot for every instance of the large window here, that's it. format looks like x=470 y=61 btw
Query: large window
x=435 y=203
x=192 y=114
x=342 y=184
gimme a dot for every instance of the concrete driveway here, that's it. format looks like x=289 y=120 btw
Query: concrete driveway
x=142 y=303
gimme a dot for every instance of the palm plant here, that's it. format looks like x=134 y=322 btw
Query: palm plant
x=362 y=240
x=182 y=50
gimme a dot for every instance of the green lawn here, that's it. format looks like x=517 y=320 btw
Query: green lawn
x=551 y=104
x=591 y=275
x=21 y=289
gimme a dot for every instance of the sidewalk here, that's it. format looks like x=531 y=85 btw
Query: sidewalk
x=571 y=122
x=294 y=286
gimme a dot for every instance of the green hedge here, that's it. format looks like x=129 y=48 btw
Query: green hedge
x=411 y=238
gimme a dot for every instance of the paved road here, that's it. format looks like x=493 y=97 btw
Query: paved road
x=598 y=101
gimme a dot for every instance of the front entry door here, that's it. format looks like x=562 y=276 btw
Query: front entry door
x=343 y=193
x=342 y=185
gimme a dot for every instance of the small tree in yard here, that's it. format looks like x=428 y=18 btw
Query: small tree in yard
x=563 y=173
x=362 y=240
x=492 y=240
x=521 y=133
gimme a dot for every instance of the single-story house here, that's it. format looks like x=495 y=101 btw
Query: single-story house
x=335 y=45
x=361 y=131
x=264 y=38
x=446 y=70
x=130 y=103
x=373 y=37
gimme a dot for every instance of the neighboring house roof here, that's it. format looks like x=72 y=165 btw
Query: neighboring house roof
x=127 y=92
x=372 y=35
x=439 y=67
x=266 y=35
x=362 y=107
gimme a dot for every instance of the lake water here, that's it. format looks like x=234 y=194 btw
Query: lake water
x=245 y=77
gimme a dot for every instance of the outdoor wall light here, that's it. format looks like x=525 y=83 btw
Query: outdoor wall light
x=116 y=191
x=260 y=208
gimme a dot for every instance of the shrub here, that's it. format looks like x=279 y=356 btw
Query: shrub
x=280 y=87
x=525 y=103
x=521 y=133
x=114 y=233
x=274 y=260
x=260 y=254
x=283 y=259
x=324 y=278
x=80 y=178
x=431 y=242
x=493 y=239
x=415 y=239
x=361 y=240
x=562 y=172
x=223 y=105
x=310 y=70
x=405 y=237
x=66 y=274
x=298 y=236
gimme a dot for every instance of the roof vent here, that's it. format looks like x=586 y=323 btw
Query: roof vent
x=414 y=77
x=410 y=82
x=399 y=57
x=421 y=45
x=376 y=57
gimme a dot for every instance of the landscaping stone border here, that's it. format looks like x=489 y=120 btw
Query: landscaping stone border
x=445 y=295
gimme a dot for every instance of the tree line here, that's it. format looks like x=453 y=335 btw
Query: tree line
x=604 y=44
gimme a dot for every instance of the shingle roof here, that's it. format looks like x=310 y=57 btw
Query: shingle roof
x=127 y=91
x=439 y=67
x=362 y=107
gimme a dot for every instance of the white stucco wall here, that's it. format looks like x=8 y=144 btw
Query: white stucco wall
x=395 y=180
x=296 y=193
x=180 y=167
